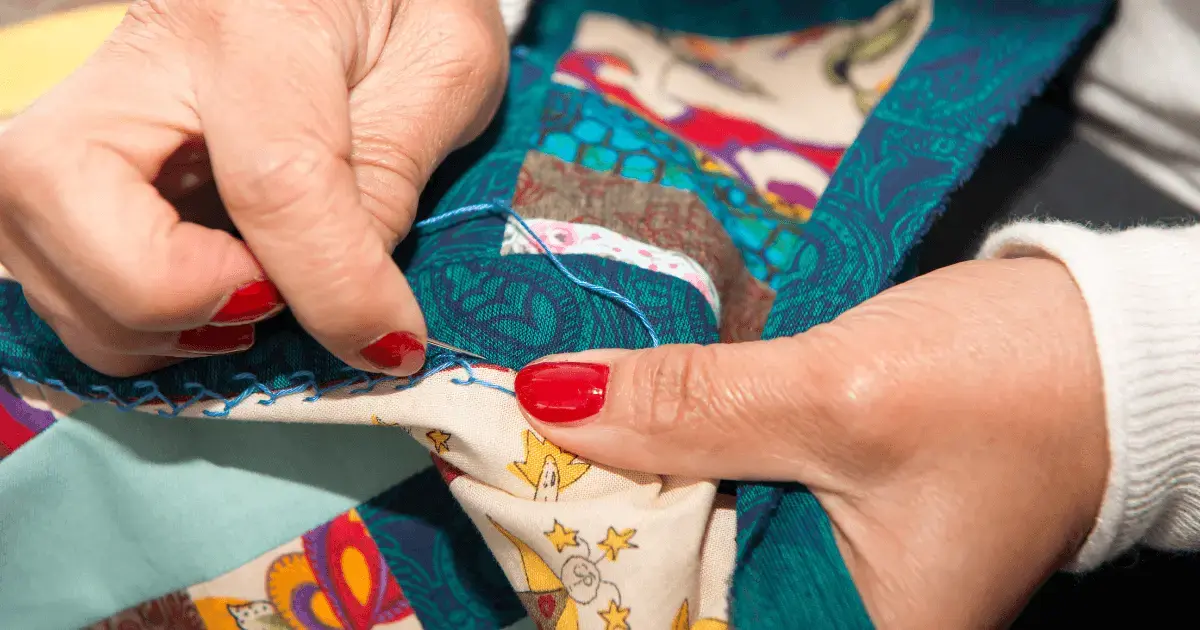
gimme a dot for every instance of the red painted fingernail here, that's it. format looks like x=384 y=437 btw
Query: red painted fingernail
x=558 y=393
x=250 y=303
x=216 y=339
x=400 y=352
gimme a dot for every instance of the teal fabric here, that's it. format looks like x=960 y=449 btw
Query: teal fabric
x=978 y=65
x=439 y=558
x=107 y=509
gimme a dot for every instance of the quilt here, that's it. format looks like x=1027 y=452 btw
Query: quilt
x=739 y=171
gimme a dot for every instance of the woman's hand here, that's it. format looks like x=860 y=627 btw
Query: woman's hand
x=320 y=122
x=953 y=427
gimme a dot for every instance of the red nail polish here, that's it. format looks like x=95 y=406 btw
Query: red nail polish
x=216 y=339
x=558 y=393
x=397 y=351
x=250 y=303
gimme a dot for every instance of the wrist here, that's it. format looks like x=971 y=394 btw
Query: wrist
x=1079 y=400
x=975 y=390
x=1068 y=407
x=1144 y=307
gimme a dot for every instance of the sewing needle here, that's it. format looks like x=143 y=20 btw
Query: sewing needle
x=446 y=346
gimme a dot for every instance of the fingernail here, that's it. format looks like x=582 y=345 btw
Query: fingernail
x=249 y=303
x=399 y=352
x=558 y=393
x=216 y=339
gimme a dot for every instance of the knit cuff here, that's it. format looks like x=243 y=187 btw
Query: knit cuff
x=514 y=13
x=1142 y=288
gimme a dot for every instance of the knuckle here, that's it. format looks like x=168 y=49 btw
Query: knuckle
x=105 y=351
x=148 y=13
x=852 y=403
x=679 y=394
x=463 y=46
x=390 y=180
x=857 y=411
x=145 y=303
x=381 y=153
x=109 y=363
x=348 y=303
x=276 y=176
x=143 y=27
x=116 y=366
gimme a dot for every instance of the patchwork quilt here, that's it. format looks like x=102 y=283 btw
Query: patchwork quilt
x=739 y=170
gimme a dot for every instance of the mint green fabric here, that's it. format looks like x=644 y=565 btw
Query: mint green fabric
x=110 y=508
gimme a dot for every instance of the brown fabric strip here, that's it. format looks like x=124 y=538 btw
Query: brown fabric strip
x=549 y=188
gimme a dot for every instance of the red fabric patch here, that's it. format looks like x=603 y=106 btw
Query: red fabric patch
x=12 y=433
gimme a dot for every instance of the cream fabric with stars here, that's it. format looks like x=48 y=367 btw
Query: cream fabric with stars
x=586 y=547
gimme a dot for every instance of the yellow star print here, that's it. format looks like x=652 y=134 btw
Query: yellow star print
x=439 y=440
x=614 y=618
x=682 y=621
x=537 y=451
x=615 y=541
x=562 y=537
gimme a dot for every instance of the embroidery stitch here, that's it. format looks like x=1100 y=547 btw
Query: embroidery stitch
x=502 y=208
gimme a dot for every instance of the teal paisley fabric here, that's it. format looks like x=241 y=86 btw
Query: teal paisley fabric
x=513 y=310
x=438 y=557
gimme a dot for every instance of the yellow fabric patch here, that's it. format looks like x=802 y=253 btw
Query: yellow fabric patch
x=35 y=55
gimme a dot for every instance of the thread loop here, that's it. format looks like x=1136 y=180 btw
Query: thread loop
x=497 y=207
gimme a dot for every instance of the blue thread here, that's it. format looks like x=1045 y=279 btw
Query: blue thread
x=301 y=381
x=498 y=207
x=357 y=381
x=473 y=380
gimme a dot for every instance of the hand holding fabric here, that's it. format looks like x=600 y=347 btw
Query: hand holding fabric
x=953 y=428
x=319 y=123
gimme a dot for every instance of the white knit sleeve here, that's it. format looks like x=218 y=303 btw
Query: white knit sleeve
x=514 y=13
x=1142 y=288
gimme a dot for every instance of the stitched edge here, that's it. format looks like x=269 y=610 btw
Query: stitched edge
x=302 y=381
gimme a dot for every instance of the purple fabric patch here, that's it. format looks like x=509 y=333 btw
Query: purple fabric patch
x=35 y=420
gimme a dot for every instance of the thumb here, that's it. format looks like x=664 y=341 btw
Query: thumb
x=737 y=411
x=275 y=112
